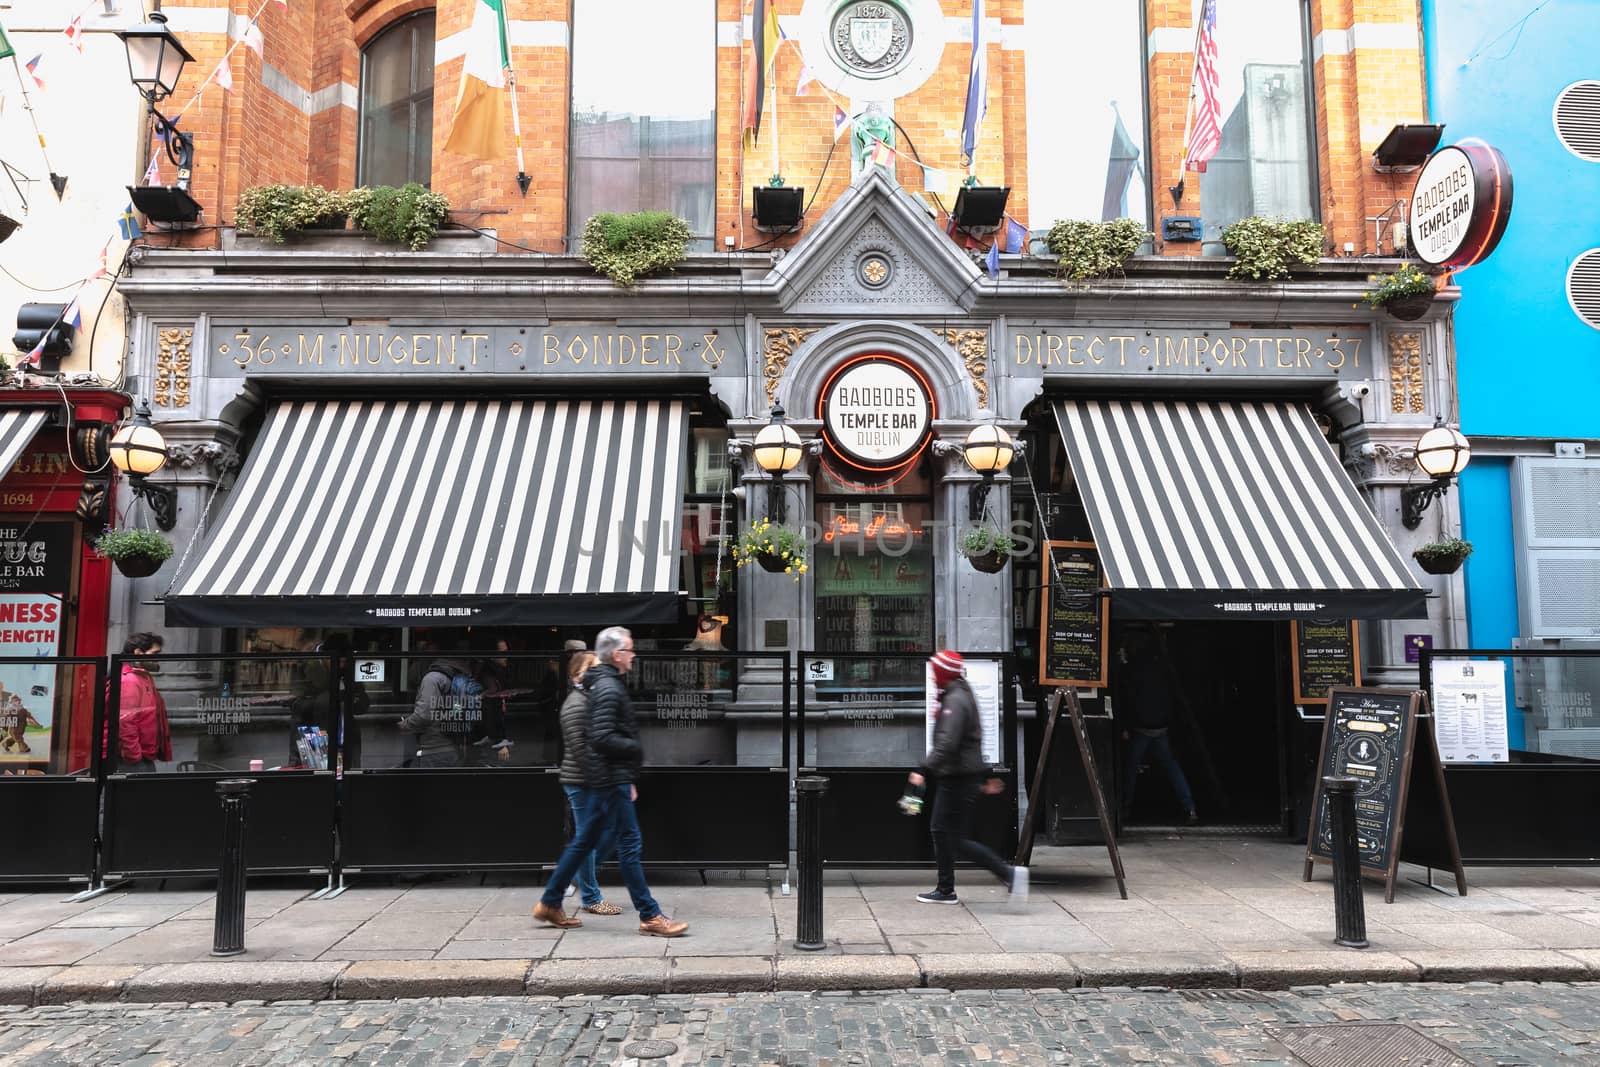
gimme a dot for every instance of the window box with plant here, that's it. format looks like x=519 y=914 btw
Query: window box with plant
x=1443 y=557
x=778 y=549
x=1406 y=294
x=987 y=549
x=1266 y=248
x=1094 y=249
x=404 y=215
x=626 y=247
x=277 y=212
x=136 y=553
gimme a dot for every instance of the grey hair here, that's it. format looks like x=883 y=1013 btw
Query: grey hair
x=609 y=640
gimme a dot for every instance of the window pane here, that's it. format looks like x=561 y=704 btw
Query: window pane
x=397 y=105
x=644 y=139
x=1085 y=85
x=1263 y=164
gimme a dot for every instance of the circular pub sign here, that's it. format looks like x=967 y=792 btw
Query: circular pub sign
x=876 y=412
x=1460 y=205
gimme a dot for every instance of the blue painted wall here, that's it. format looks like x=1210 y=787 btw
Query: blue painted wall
x=1526 y=365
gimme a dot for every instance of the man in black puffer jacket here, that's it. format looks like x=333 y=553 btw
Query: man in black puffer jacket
x=956 y=761
x=615 y=756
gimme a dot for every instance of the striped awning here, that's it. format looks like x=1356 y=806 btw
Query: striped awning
x=17 y=427
x=1222 y=510
x=448 y=513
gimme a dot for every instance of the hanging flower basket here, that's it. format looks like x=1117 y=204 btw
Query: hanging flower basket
x=1409 y=308
x=778 y=549
x=989 y=562
x=771 y=561
x=1443 y=557
x=137 y=566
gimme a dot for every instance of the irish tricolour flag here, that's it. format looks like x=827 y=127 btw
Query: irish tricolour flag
x=480 y=107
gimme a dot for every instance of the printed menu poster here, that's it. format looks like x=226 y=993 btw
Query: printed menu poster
x=984 y=677
x=30 y=625
x=1469 y=710
x=1326 y=654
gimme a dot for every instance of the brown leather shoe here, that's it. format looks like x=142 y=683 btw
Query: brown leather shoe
x=543 y=913
x=661 y=926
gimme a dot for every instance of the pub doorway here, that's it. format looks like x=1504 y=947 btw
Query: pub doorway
x=1228 y=699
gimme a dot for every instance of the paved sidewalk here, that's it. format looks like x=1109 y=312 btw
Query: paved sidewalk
x=1203 y=912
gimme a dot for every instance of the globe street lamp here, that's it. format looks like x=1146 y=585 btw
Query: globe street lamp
x=988 y=450
x=777 y=451
x=138 y=450
x=1442 y=453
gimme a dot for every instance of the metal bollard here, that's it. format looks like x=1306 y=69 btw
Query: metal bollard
x=1349 y=908
x=809 y=791
x=227 y=938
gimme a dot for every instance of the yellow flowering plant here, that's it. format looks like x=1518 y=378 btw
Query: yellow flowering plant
x=780 y=549
x=1407 y=281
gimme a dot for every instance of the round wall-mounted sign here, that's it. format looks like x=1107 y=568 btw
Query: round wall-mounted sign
x=1460 y=205
x=876 y=412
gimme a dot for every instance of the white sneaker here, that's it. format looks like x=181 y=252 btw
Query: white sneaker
x=1018 y=900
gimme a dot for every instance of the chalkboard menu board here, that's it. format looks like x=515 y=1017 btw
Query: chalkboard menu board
x=1327 y=653
x=1076 y=616
x=1368 y=736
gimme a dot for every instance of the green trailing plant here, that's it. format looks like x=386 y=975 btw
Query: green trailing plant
x=129 y=544
x=1094 y=249
x=624 y=247
x=1449 y=548
x=404 y=215
x=1386 y=288
x=278 y=211
x=1266 y=248
x=986 y=540
x=776 y=548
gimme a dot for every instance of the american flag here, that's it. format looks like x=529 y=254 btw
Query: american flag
x=1205 y=130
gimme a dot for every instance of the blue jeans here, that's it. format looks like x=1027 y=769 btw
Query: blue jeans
x=608 y=810
x=1159 y=748
x=588 y=887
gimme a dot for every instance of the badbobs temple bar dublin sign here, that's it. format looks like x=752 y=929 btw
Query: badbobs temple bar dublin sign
x=290 y=350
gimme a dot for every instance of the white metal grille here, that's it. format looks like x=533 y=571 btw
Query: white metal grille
x=1569 y=592
x=1577 y=119
x=1566 y=502
x=1583 y=287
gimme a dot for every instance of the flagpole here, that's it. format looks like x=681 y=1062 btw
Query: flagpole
x=1188 y=115
x=773 y=87
x=524 y=179
x=57 y=182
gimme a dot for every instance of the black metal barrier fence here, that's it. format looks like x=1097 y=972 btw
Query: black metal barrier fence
x=1536 y=806
x=865 y=721
x=49 y=784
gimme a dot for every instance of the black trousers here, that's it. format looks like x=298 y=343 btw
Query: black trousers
x=955 y=805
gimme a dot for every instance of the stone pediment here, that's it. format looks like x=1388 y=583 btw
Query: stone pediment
x=876 y=253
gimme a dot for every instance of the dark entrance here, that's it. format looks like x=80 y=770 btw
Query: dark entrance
x=1226 y=725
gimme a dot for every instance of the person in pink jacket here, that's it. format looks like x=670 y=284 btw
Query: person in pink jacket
x=143 y=735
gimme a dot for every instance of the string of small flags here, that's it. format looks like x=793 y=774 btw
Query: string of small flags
x=72 y=314
x=222 y=73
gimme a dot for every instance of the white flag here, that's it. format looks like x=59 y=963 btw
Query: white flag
x=803 y=87
x=152 y=173
x=936 y=182
x=252 y=39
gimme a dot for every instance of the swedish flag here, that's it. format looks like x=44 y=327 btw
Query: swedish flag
x=129 y=224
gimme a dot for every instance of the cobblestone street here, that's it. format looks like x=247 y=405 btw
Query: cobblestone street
x=1511 y=1024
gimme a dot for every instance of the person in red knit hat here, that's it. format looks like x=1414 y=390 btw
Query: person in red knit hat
x=956 y=760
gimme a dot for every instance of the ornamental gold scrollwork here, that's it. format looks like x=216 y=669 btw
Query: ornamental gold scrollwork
x=1405 y=373
x=973 y=347
x=171 y=387
x=781 y=343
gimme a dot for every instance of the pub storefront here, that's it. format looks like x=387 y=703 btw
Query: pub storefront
x=496 y=455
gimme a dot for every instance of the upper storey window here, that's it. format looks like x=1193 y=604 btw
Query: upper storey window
x=644 y=110
x=397 y=105
x=1086 y=127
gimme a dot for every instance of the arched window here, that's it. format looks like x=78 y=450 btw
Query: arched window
x=397 y=105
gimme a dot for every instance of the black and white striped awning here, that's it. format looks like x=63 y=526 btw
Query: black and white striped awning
x=448 y=513
x=17 y=427
x=1222 y=510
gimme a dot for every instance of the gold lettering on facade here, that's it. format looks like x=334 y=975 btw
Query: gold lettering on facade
x=644 y=348
x=781 y=344
x=674 y=350
x=1405 y=373
x=313 y=354
x=973 y=348
x=711 y=356
x=173 y=360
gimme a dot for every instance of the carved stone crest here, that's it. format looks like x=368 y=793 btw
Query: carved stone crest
x=871 y=39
